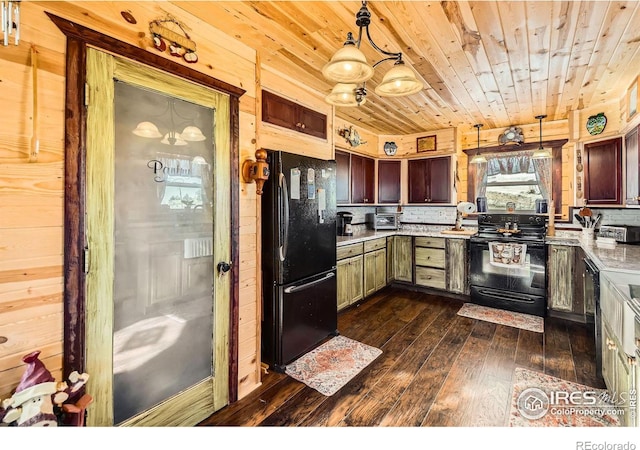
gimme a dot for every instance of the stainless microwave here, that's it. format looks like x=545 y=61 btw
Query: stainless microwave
x=383 y=221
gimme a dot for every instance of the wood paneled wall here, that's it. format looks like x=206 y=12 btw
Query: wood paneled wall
x=31 y=194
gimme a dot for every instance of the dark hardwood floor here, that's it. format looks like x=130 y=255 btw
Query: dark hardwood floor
x=437 y=369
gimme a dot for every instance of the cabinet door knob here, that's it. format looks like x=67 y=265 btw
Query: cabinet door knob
x=303 y=126
x=298 y=124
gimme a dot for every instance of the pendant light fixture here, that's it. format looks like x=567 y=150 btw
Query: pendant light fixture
x=478 y=158
x=542 y=152
x=349 y=68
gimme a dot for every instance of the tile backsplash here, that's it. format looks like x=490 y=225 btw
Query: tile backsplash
x=612 y=216
x=445 y=215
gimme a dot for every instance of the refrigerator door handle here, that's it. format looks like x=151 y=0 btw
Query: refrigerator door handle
x=285 y=201
x=292 y=289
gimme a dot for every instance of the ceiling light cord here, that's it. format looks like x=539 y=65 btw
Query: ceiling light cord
x=541 y=153
x=478 y=158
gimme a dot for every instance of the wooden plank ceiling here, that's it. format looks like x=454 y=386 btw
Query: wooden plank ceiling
x=498 y=63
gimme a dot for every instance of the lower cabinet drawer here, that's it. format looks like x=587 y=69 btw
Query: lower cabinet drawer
x=375 y=244
x=347 y=251
x=427 y=276
x=432 y=257
x=435 y=242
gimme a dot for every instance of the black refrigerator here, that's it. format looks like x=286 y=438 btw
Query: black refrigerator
x=298 y=257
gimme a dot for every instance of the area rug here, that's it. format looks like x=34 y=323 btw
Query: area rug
x=502 y=317
x=331 y=365
x=540 y=400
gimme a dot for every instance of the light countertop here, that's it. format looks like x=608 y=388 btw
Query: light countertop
x=369 y=234
x=620 y=258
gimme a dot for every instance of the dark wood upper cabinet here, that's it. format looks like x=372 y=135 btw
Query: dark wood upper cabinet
x=285 y=113
x=388 y=181
x=342 y=177
x=633 y=167
x=362 y=179
x=430 y=180
x=603 y=172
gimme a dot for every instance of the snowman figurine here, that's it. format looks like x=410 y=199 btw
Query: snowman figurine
x=33 y=400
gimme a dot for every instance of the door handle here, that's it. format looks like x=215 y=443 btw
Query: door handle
x=292 y=289
x=224 y=267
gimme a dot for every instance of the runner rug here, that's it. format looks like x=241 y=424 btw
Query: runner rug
x=540 y=400
x=331 y=365
x=502 y=317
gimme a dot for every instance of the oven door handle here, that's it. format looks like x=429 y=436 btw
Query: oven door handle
x=496 y=294
x=485 y=241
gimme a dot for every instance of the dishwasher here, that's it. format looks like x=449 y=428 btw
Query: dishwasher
x=592 y=294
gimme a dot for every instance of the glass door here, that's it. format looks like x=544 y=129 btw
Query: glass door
x=158 y=224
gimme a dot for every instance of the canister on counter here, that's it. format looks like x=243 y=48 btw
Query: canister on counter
x=481 y=204
x=542 y=206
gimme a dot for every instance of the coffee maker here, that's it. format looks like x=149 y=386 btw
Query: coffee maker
x=343 y=223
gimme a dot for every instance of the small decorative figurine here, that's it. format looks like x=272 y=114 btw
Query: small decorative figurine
x=32 y=403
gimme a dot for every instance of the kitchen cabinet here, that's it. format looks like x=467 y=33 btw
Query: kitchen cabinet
x=401 y=255
x=375 y=265
x=618 y=328
x=362 y=179
x=632 y=153
x=343 y=167
x=349 y=272
x=560 y=270
x=603 y=172
x=429 y=261
x=567 y=287
x=457 y=267
x=429 y=180
x=389 y=181
x=636 y=384
x=280 y=111
x=618 y=371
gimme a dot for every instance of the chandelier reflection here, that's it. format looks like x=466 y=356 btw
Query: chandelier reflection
x=190 y=133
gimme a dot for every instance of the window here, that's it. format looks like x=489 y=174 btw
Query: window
x=514 y=177
x=510 y=170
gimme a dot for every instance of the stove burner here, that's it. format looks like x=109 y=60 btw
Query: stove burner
x=516 y=227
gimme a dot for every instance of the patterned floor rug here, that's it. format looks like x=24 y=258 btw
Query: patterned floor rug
x=509 y=318
x=540 y=400
x=331 y=365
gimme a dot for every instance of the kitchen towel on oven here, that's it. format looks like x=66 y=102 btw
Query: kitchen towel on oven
x=507 y=254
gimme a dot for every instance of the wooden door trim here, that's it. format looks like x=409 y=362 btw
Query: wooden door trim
x=78 y=38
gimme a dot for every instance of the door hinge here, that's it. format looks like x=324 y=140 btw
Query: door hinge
x=86 y=94
x=86 y=260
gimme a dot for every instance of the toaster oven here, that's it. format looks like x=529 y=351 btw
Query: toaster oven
x=625 y=234
x=383 y=221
